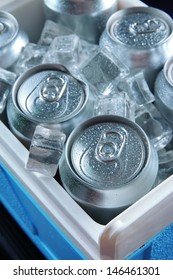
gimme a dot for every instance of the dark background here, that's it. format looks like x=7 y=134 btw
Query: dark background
x=166 y=5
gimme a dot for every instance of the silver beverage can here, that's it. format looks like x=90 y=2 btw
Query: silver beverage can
x=12 y=39
x=108 y=163
x=141 y=37
x=47 y=95
x=163 y=90
x=87 y=18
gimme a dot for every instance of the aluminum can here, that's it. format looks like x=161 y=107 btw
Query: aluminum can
x=163 y=90
x=141 y=37
x=108 y=163
x=87 y=18
x=12 y=39
x=47 y=95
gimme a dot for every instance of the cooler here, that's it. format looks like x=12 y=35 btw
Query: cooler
x=53 y=221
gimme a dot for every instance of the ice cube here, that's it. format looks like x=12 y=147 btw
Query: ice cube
x=31 y=55
x=50 y=31
x=103 y=69
x=45 y=150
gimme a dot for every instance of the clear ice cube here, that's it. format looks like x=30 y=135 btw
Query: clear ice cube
x=7 y=76
x=45 y=150
x=63 y=50
x=103 y=69
x=7 y=79
x=165 y=162
x=86 y=52
x=137 y=88
x=119 y=104
x=52 y=30
x=32 y=55
x=157 y=128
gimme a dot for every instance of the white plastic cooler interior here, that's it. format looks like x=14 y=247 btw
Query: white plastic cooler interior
x=125 y=233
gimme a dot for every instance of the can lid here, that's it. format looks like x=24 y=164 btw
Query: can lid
x=50 y=96
x=109 y=154
x=8 y=28
x=140 y=27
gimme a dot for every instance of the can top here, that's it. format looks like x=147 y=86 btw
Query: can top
x=8 y=28
x=141 y=27
x=50 y=95
x=109 y=154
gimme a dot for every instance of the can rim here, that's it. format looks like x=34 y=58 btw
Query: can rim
x=167 y=19
x=10 y=17
x=108 y=198
x=168 y=70
x=46 y=67
x=83 y=8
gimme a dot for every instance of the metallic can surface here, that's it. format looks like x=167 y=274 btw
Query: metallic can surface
x=87 y=18
x=163 y=90
x=47 y=95
x=142 y=37
x=12 y=40
x=108 y=164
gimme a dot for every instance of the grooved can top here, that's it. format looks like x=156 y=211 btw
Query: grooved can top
x=50 y=95
x=141 y=27
x=108 y=163
x=109 y=154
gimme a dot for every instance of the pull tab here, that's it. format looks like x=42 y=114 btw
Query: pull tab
x=48 y=100
x=110 y=145
x=53 y=88
x=149 y=26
